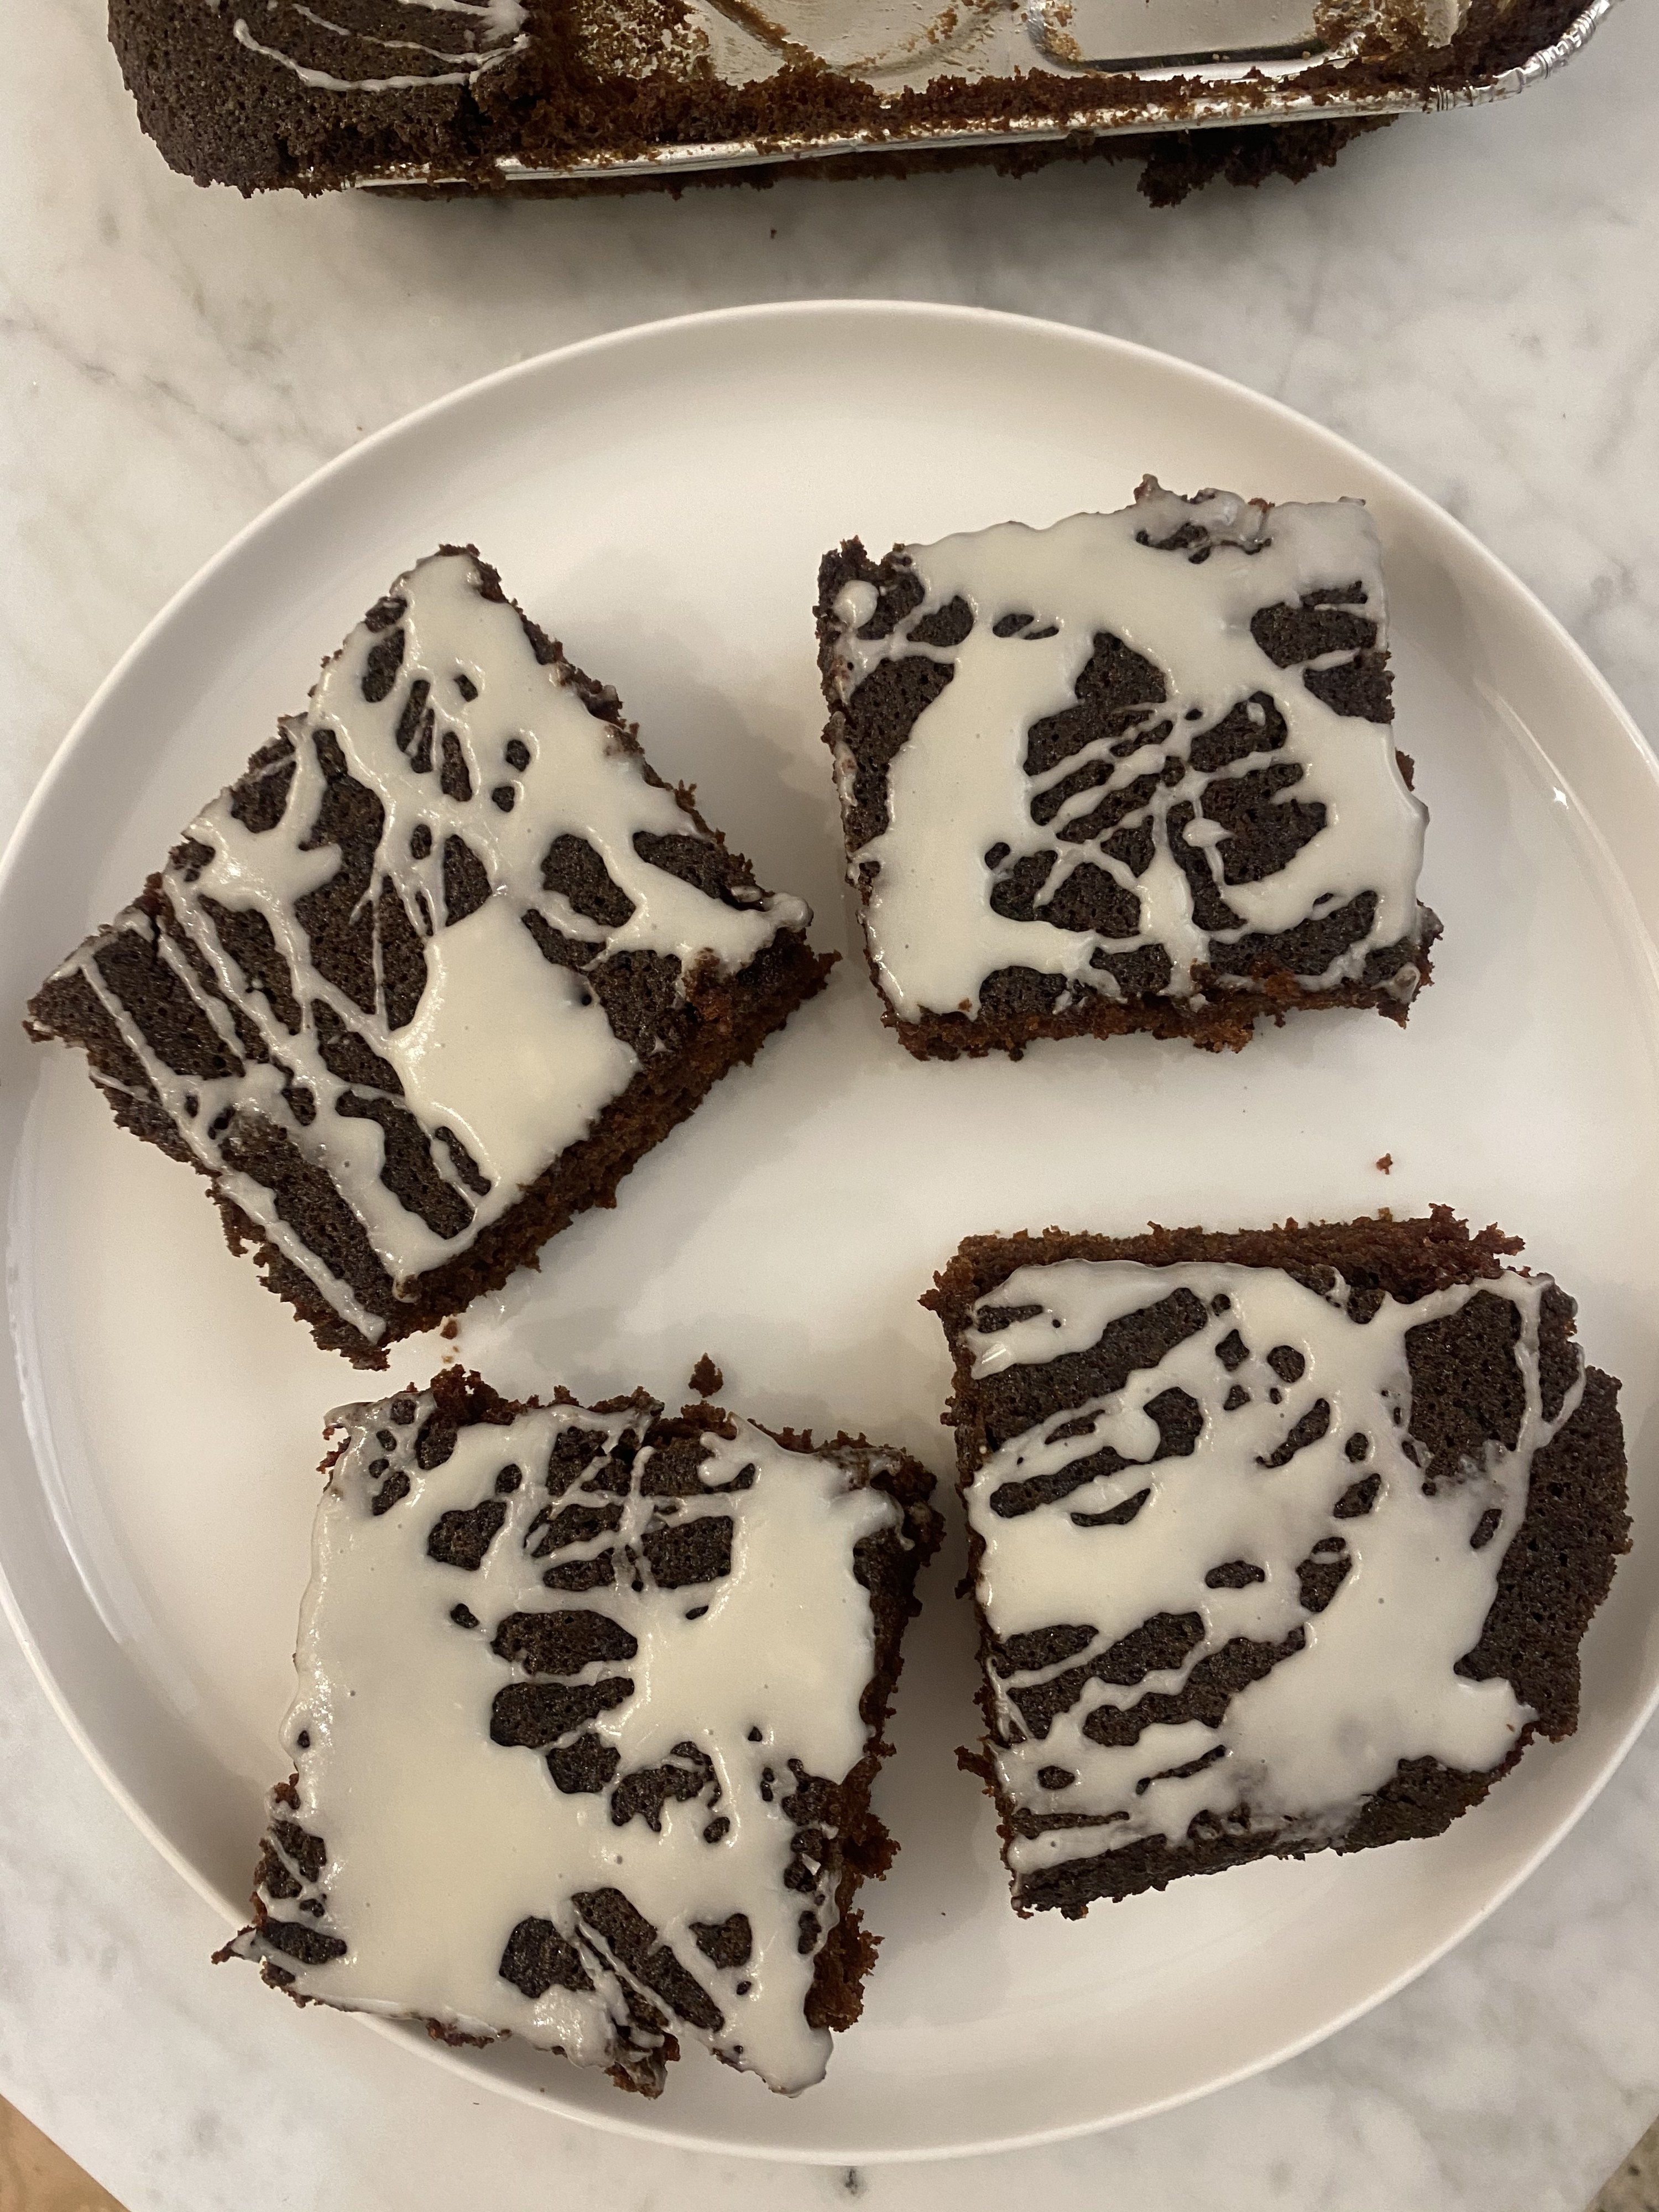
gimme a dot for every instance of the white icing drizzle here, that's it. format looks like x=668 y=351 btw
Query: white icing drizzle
x=497 y=27
x=440 y=1842
x=876 y=38
x=957 y=788
x=1374 y=1682
x=508 y=1050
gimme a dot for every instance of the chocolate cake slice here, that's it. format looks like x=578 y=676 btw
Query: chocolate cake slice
x=435 y=973
x=1133 y=772
x=590 y=1706
x=1282 y=1541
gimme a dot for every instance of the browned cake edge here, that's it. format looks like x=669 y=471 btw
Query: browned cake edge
x=887 y=1565
x=1556 y=1572
x=1226 y=1023
x=723 y=1024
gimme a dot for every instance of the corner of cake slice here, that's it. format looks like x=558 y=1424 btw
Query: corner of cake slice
x=435 y=973
x=1282 y=1541
x=590 y=1707
x=1135 y=771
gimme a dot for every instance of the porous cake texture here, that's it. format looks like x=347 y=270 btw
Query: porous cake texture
x=589 y=1705
x=435 y=973
x=1135 y=771
x=1282 y=1540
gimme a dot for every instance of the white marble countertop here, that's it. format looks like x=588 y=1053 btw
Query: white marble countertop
x=1469 y=296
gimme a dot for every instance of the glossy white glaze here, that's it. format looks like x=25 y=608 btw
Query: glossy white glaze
x=1278 y=1372
x=490 y=30
x=962 y=803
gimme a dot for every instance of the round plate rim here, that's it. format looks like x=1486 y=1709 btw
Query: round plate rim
x=1426 y=513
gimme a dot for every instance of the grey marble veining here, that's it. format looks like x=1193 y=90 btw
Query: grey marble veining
x=1472 y=298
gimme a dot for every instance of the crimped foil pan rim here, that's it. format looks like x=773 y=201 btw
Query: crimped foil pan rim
x=1205 y=112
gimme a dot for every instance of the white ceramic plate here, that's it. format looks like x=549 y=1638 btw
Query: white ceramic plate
x=660 y=501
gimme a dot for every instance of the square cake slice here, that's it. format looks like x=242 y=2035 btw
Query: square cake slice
x=1282 y=1541
x=435 y=973
x=1133 y=772
x=590 y=1706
